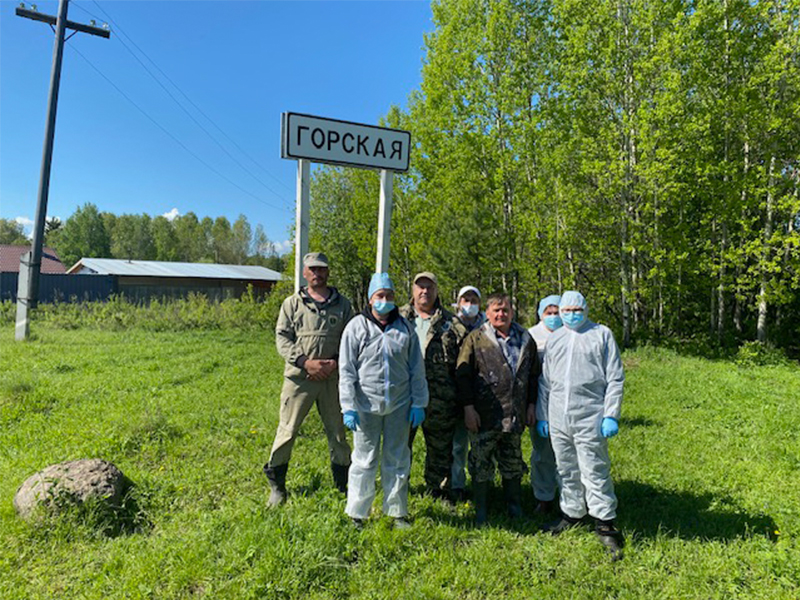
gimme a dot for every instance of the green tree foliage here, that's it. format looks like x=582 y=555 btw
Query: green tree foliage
x=52 y=229
x=132 y=238
x=89 y=233
x=12 y=233
x=646 y=153
x=165 y=240
x=84 y=235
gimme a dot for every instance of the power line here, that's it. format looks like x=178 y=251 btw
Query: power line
x=190 y=101
x=175 y=139
x=183 y=108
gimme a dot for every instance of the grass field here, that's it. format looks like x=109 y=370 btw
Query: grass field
x=707 y=468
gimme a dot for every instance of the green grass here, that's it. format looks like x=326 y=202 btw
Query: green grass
x=707 y=467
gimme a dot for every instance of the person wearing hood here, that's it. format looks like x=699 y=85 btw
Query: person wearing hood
x=544 y=479
x=497 y=372
x=382 y=393
x=468 y=311
x=307 y=334
x=580 y=400
x=439 y=334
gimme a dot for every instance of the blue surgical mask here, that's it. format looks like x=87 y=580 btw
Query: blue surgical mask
x=573 y=320
x=469 y=310
x=552 y=322
x=382 y=307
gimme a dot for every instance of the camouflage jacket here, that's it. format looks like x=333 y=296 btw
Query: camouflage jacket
x=440 y=350
x=485 y=380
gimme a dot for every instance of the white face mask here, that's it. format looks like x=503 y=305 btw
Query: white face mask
x=469 y=310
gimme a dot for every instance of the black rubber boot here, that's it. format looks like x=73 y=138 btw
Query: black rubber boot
x=440 y=494
x=340 y=476
x=610 y=537
x=480 y=493
x=277 y=482
x=545 y=507
x=459 y=495
x=512 y=490
x=560 y=525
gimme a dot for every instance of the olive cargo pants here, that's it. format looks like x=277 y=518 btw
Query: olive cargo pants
x=297 y=398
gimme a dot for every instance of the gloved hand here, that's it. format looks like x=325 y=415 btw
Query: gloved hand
x=543 y=429
x=609 y=427
x=351 y=420
x=416 y=416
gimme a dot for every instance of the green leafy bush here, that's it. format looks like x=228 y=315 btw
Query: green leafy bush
x=193 y=312
x=756 y=354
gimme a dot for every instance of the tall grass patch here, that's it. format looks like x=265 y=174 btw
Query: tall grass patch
x=706 y=466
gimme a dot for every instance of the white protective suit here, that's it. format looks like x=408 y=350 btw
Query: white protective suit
x=381 y=376
x=581 y=383
x=544 y=478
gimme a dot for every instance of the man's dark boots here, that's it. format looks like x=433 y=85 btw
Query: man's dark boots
x=480 y=495
x=545 y=507
x=512 y=490
x=340 y=476
x=277 y=482
x=560 y=525
x=610 y=537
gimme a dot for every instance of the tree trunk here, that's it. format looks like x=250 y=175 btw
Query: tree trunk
x=762 y=296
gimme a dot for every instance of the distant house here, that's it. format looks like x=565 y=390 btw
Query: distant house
x=10 y=255
x=145 y=279
x=51 y=280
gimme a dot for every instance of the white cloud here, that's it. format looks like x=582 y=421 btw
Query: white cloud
x=171 y=215
x=27 y=224
x=283 y=247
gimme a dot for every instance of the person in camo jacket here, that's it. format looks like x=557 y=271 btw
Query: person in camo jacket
x=498 y=373
x=440 y=334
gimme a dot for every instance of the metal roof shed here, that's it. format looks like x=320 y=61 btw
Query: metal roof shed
x=145 y=279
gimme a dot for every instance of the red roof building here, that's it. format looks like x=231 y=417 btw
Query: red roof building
x=9 y=260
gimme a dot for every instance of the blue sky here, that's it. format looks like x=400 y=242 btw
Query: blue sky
x=241 y=62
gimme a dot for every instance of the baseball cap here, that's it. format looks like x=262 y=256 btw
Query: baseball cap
x=315 y=259
x=426 y=275
x=468 y=288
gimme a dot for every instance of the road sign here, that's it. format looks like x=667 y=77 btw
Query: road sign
x=344 y=143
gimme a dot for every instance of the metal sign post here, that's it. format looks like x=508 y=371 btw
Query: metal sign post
x=384 y=221
x=302 y=219
x=307 y=138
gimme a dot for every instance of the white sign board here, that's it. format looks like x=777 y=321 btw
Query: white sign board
x=344 y=143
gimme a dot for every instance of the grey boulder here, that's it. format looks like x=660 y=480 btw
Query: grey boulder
x=71 y=483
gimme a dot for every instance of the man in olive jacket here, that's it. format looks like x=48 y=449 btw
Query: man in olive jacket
x=307 y=334
x=440 y=334
x=497 y=375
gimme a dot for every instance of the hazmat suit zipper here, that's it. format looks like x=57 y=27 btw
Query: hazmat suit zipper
x=568 y=374
x=386 y=373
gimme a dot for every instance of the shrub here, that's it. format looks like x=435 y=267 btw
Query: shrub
x=193 y=312
x=756 y=354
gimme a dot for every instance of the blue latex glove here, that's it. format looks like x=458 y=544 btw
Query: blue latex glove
x=543 y=429
x=609 y=427
x=351 y=420
x=416 y=416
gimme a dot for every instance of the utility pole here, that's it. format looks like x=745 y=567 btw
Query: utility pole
x=31 y=262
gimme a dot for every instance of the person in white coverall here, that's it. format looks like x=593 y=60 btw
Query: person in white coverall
x=580 y=399
x=382 y=393
x=544 y=480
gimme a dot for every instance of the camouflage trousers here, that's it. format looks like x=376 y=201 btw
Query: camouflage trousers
x=439 y=427
x=488 y=447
